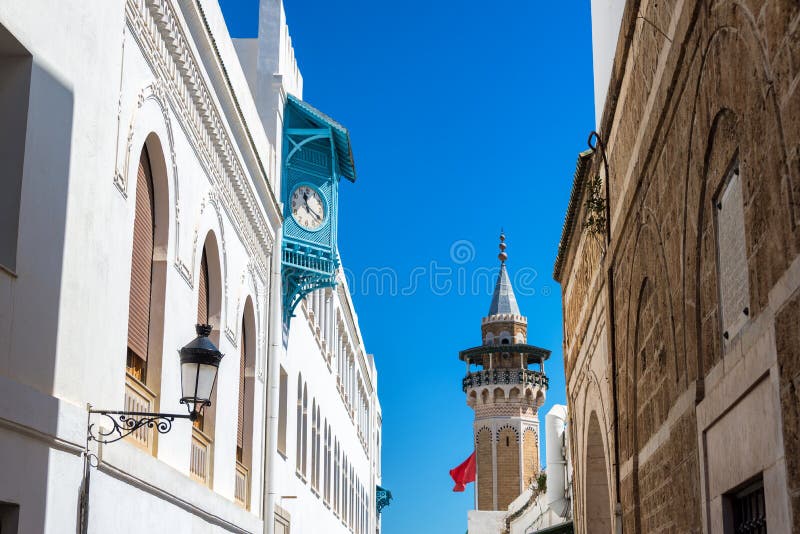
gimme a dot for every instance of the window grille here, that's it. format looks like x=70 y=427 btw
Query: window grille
x=749 y=510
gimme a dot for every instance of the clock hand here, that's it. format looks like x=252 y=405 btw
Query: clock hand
x=314 y=213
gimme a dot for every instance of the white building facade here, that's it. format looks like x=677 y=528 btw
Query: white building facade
x=142 y=195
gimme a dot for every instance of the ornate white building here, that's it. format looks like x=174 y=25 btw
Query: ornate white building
x=142 y=193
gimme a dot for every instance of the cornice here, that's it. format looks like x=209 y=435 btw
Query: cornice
x=573 y=208
x=157 y=28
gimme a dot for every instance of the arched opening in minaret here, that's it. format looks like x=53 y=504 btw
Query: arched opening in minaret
x=598 y=503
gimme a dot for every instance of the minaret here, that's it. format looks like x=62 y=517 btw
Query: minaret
x=506 y=395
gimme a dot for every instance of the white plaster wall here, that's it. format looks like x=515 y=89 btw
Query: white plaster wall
x=536 y=516
x=606 y=20
x=309 y=513
x=63 y=317
x=96 y=95
x=485 y=522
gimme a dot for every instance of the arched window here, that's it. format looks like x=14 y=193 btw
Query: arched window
x=314 y=443
x=327 y=488
x=324 y=462
x=342 y=484
x=202 y=296
x=146 y=295
x=240 y=415
x=202 y=311
x=209 y=310
x=317 y=445
x=299 y=451
x=336 y=475
x=141 y=272
x=304 y=470
x=244 y=436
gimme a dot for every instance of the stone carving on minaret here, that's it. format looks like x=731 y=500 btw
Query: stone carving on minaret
x=505 y=385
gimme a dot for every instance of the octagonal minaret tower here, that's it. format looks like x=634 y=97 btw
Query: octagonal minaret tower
x=505 y=393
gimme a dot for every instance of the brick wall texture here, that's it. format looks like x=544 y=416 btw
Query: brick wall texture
x=530 y=457
x=508 y=471
x=483 y=446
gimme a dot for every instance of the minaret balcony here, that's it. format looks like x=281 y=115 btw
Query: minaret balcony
x=502 y=377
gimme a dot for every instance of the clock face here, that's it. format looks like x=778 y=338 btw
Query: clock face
x=308 y=209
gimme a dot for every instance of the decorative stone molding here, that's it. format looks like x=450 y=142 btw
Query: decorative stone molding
x=211 y=200
x=509 y=427
x=156 y=93
x=533 y=429
x=156 y=26
x=504 y=318
x=479 y=429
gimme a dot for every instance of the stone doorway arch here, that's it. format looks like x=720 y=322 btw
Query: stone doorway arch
x=598 y=503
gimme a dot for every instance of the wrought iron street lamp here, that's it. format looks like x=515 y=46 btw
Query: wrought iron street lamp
x=199 y=365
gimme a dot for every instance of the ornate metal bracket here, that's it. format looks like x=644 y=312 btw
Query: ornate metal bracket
x=383 y=498
x=599 y=219
x=297 y=284
x=126 y=423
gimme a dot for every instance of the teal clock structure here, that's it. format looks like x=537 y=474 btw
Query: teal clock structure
x=316 y=155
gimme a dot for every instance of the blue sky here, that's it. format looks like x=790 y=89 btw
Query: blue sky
x=465 y=117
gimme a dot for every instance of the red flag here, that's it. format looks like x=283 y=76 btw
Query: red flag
x=464 y=473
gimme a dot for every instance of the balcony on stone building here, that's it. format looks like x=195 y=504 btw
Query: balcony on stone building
x=501 y=377
x=503 y=374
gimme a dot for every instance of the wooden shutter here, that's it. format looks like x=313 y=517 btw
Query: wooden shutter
x=202 y=297
x=141 y=262
x=242 y=356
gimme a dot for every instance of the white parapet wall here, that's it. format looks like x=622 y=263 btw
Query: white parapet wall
x=606 y=20
x=485 y=522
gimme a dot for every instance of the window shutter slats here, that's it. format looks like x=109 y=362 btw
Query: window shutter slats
x=242 y=356
x=141 y=261
x=202 y=297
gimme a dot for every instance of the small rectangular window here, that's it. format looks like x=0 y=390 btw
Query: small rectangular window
x=282 y=407
x=747 y=510
x=734 y=283
x=9 y=518
x=15 y=82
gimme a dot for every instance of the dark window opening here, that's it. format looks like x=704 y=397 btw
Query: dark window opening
x=15 y=82
x=747 y=510
x=9 y=518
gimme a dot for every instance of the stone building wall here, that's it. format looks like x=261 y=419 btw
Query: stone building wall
x=485 y=473
x=508 y=471
x=702 y=95
x=530 y=457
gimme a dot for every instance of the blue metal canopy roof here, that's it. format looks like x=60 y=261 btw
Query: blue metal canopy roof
x=341 y=136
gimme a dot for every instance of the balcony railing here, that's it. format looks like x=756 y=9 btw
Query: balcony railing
x=138 y=398
x=200 y=459
x=503 y=377
x=241 y=490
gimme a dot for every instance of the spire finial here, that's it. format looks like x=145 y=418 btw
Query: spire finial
x=502 y=256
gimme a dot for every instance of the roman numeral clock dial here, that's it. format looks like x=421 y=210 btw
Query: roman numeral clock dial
x=308 y=209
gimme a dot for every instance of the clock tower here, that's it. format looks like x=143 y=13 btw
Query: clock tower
x=505 y=386
x=316 y=156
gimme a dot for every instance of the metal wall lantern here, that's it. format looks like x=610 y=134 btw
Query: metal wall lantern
x=199 y=365
x=200 y=360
